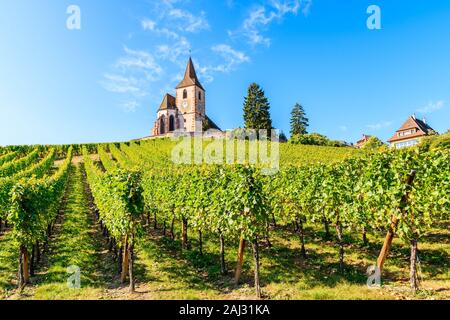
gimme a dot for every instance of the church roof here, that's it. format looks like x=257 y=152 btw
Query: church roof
x=211 y=124
x=169 y=102
x=190 y=77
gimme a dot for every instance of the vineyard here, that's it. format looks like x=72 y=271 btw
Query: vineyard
x=137 y=226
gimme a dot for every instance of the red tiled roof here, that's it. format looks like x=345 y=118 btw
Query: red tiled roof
x=412 y=123
x=364 y=138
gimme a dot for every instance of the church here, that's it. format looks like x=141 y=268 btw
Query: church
x=186 y=112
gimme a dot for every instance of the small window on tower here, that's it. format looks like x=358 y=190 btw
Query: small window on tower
x=199 y=95
x=185 y=94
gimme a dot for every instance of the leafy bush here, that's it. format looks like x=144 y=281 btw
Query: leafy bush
x=441 y=142
x=373 y=144
x=434 y=142
x=316 y=139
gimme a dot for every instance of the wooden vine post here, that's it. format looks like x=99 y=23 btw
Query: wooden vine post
x=24 y=268
x=240 y=260
x=125 y=261
x=184 y=233
x=394 y=222
x=223 y=269
x=256 y=262
x=130 y=265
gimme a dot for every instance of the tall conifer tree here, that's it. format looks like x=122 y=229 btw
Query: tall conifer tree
x=257 y=109
x=299 y=121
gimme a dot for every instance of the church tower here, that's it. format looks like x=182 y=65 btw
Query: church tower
x=190 y=100
x=186 y=111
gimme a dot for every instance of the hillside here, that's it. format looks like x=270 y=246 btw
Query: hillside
x=137 y=226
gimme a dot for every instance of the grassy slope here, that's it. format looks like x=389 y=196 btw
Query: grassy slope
x=173 y=274
x=317 y=277
x=163 y=271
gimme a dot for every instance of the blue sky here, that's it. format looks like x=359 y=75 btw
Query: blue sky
x=105 y=81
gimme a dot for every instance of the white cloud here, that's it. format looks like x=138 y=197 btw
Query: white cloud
x=130 y=106
x=148 y=24
x=307 y=7
x=174 y=24
x=379 y=125
x=432 y=107
x=172 y=19
x=231 y=59
x=262 y=16
x=231 y=56
x=189 y=22
x=251 y=26
x=138 y=60
x=174 y=51
x=120 y=84
x=171 y=26
x=131 y=76
x=206 y=73
x=286 y=6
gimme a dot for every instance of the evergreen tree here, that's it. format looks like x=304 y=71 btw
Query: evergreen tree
x=256 y=109
x=299 y=122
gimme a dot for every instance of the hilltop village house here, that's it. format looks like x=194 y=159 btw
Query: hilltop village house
x=186 y=112
x=361 y=142
x=410 y=133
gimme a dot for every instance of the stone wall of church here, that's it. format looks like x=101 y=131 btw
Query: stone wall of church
x=195 y=109
x=162 y=123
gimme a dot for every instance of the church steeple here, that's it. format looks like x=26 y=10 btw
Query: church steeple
x=186 y=111
x=190 y=77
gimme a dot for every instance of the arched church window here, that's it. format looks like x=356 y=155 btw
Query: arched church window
x=171 y=123
x=199 y=95
x=162 y=125
x=185 y=94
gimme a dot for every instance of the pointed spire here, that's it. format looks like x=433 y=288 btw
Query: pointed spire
x=190 y=77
